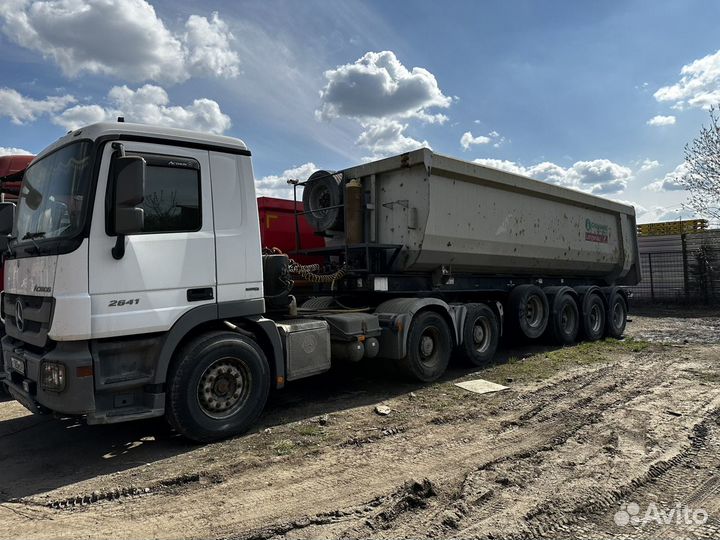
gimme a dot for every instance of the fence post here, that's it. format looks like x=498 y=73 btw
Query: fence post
x=652 y=287
x=686 y=278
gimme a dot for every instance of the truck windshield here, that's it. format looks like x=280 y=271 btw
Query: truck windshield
x=54 y=194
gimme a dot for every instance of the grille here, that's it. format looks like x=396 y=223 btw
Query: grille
x=36 y=318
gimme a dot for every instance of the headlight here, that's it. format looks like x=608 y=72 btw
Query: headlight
x=52 y=376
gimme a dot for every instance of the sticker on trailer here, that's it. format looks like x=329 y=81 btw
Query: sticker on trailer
x=596 y=232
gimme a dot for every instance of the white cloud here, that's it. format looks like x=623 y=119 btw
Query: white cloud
x=661 y=120
x=649 y=164
x=122 y=38
x=379 y=86
x=639 y=209
x=21 y=109
x=468 y=140
x=12 y=151
x=382 y=95
x=277 y=186
x=503 y=165
x=662 y=213
x=209 y=47
x=671 y=181
x=82 y=115
x=599 y=176
x=387 y=137
x=148 y=104
x=699 y=85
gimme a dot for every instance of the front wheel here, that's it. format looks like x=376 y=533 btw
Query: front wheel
x=217 y=386
x=428 y=348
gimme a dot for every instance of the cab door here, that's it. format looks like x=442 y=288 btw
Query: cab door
x=169 y=268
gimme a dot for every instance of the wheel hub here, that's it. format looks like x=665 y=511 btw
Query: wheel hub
x=478 y=334
x=427 y=346
x=222 y=388
x=618 y=315
x=481 y=335
x=534 y=312
x=595 y=318
x=567 y=319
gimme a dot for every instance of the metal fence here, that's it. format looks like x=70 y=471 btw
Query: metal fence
x=687 y=270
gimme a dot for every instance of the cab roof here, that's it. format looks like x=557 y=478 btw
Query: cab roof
x=129 y=130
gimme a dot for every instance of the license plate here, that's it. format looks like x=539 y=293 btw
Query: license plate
x=18 y=364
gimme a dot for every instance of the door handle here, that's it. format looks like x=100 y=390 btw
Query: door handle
x=196 y=295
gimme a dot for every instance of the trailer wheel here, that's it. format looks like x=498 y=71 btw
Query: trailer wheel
x=528 y=310
x=593 y=317
x=565 y=321
x=217 y=387
x=616 y=317
x=428 y=349
x=481 y=333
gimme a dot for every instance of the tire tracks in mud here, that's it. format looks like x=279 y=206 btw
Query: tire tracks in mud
x=546 y=521
x=549 y=422
x=690 y=479
x=577 y=382
x=369 y=487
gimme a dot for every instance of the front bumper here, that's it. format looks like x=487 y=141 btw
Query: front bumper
x=121 y=393
x=78 y=396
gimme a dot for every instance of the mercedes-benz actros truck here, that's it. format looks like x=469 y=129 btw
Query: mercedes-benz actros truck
x=136 y=284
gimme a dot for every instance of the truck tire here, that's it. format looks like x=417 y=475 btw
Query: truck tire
x=593 y=317
x=217 y=387
x=428 y=349
x=481 y=334
x=616 y=316
x=322 y=197
x=564 y=323
x=528 y=311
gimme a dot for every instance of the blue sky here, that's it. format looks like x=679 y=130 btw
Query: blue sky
x=562 y=91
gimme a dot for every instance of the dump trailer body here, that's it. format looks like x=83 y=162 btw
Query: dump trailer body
x=471 y=218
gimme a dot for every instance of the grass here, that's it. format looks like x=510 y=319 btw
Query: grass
x=309 y=430
x=544 y=365
x=284 y=447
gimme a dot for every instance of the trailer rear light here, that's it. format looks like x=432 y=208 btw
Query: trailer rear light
x=52 y=376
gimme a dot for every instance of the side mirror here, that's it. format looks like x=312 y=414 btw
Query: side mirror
x=7 y=218
x=129 y=186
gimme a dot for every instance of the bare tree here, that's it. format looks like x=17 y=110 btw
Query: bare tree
x=702 y=176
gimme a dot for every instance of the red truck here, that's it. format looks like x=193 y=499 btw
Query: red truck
x=12 y=169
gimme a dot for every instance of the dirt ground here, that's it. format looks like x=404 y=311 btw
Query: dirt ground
x=585 y=443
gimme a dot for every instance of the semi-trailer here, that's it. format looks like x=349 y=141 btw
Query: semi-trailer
x=137 y=285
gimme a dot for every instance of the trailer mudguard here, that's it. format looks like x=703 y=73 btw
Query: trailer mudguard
x=397 y=314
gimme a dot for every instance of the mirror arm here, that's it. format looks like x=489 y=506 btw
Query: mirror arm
x=118 y=251
x=119 y=147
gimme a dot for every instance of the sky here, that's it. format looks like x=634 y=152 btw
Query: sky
x=596 y=96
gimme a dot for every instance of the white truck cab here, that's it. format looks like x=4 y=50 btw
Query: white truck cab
x=108 y=275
